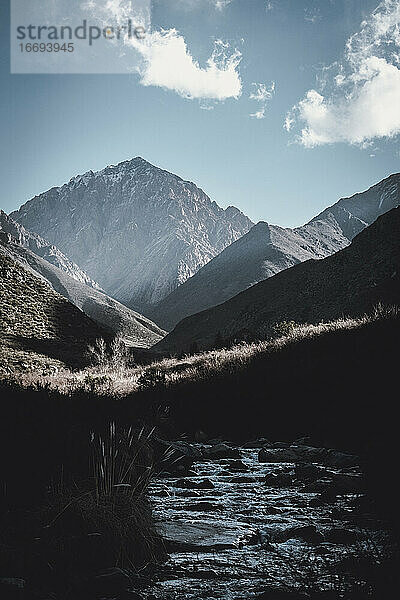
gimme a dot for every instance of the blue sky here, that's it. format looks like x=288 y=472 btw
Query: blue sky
x=310 y=64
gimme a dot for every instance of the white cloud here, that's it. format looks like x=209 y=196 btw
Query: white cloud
x=167 y=63
x=361 y=101
x=263 y=95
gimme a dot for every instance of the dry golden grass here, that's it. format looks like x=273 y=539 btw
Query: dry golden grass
x=114 y=377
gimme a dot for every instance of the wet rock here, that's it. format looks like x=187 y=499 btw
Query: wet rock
x=264 y=455
x=175 y=458
x=182 y=536
x=278 y=479
x=272 y=510
x=237 y=466
x=242 y=479
x=161 y=494
x=294 y=454
x=308 y=472
x=303 y=441
x=258 y=443
x=202 y=507
x=220 y=451
x=189 y=494
x=215 y=441
x=306 y=533
x=186 y=449
x=280 y=445
x=338 y=484
x=341 y=536
x=327 y=497
x=189 y=484
x=321 y=485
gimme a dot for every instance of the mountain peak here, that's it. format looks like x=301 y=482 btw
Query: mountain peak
x=138 y=230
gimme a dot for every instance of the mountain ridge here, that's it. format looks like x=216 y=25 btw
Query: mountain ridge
x=50 y=253
x=346 y=283
x=268 y=249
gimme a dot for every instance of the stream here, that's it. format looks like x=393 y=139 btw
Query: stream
x=235 y=528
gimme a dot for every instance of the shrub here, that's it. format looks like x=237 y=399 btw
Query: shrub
x=284 y=328
x=152 y=378
x=113 y=357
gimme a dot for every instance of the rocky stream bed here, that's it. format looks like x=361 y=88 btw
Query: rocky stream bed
x=254 y=522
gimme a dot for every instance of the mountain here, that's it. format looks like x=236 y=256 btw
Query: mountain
x=40 y=330
x=112 y=316
x=138 y=230
x=42 y=248
x=267 y=249
x=349 y=282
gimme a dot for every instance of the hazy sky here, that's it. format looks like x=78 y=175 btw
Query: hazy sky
x=278 y=107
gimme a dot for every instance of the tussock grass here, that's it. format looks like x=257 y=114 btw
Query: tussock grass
x=85 y=521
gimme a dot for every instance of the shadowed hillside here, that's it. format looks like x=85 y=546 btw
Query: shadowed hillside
x=40 y=330
x=350 y=282
x=117 y=319
x=268 y=249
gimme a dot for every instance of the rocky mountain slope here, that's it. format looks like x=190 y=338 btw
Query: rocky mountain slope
x=348 y=283
x=42 y=248
x=40 y=330
x=267 y=249
x=136 y=229
x=115 y=318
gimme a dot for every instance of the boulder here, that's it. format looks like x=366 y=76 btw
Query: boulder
x=242 y=479
x=272 y=510
x=259 y=443
x=175 y=458
x=319 y=486
x=338 y=484
x=306 y=533
x=190 y=484
x=308 y=472
x=236 y=466
x=294 y=454
x=219 y=451
x=327 y=497
x=278 y=479
x=341 y=536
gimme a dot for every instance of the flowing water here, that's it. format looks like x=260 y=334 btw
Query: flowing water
x=236 y=539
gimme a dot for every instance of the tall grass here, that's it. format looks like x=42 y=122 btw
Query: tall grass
x=112 y=372
x=83 y=524
x=117 y=465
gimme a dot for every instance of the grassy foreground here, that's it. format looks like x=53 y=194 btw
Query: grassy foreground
x=76 y=458
x=113 y=371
